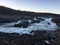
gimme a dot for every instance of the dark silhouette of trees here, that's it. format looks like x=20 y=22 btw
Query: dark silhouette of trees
x=9 y=11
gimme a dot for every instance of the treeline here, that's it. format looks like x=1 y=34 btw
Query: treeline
x=8 y=11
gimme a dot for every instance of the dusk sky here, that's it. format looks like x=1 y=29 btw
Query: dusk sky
x=51 y=6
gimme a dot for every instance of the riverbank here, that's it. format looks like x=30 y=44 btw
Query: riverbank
x=57 y=37
x=39 y=38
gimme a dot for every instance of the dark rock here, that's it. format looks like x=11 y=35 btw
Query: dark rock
x=56 y=20
x=35 y=21
x=41 y=19
x=38 y=38
x=23 y=24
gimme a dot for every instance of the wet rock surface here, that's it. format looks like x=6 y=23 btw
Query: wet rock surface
x=38 y=38
x=57 y=37
x=23 y=24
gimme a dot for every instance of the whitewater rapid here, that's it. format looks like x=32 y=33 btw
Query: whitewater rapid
x=43 y=25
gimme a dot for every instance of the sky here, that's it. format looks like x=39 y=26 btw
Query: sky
x=50 y=6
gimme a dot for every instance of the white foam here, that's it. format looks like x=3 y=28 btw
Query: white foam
x=19 y=21
x=47 y=42
x=35 y=18
x=43 y=25
x=12 y=23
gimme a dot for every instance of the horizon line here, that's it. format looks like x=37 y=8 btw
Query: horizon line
x=31 y=10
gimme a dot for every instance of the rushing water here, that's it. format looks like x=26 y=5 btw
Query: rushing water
x=43 y=25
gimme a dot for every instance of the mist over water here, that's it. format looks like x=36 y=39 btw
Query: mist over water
x=47 y=24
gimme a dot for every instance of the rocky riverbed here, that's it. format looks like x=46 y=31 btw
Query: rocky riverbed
x=28 y=28
x=28 y=32
x=38 y=38
x=57 y=37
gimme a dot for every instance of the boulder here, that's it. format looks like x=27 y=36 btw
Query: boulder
x=23 y=24
x=35 y=21
x=56 y=20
